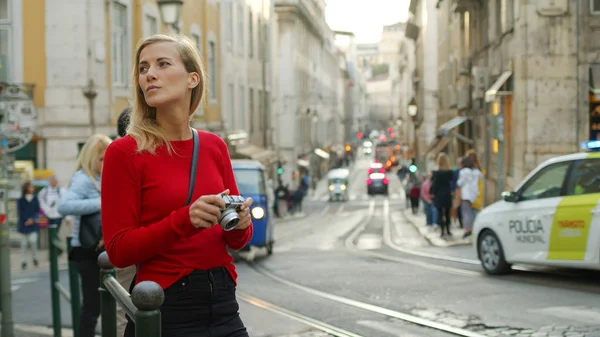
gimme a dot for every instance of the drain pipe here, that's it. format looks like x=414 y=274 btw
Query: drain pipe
x=577 y=74
x=89 y=91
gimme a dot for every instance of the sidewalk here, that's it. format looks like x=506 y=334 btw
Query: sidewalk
x=40 y=331
x=433 y=235
x=44 y=262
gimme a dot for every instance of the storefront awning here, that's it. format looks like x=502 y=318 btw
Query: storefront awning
x=255 y=152
x=448 y=129
x=595 y=80
x=492 y=92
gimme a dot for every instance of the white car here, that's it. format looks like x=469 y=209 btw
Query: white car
x=551 y=219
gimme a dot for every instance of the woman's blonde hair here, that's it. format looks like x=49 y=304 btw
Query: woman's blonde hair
x=92 y=149
x=443 y=161
x=142 y=124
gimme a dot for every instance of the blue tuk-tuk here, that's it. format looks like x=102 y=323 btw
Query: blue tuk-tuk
x=251 y=182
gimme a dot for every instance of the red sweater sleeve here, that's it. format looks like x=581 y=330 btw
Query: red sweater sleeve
x=126 y=242
x=236 y=239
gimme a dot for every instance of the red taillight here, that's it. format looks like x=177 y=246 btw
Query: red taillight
x=381 y=170
x=377 y=161
x=385 y=180
x=369 y=181
x=370 y=171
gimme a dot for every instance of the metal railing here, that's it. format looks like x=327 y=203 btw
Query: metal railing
x=57 y=290
x=142 y=306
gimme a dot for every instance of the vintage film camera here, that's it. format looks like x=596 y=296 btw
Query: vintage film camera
x=229 y=217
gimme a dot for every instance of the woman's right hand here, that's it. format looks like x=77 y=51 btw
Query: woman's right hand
x=206 y=210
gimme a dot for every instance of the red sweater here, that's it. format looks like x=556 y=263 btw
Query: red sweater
x=144 y=220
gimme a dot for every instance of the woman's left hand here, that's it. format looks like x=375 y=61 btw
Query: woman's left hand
x=244 y=213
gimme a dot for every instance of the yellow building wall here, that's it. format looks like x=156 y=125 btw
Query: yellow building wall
x=211 y=23
x=34 y=48
x=199 y=12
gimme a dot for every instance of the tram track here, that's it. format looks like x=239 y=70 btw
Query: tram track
x=314 y=323
x=371 y=308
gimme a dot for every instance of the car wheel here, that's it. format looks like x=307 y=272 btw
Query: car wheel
x=491 y=254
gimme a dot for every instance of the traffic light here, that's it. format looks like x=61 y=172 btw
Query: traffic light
x=413 y=167
x=390 y=130
x=359 y=134
x=279 y=168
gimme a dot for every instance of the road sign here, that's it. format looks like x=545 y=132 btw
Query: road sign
x=18 y=117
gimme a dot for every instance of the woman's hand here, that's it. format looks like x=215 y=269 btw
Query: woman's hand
x=29 y=222
x=244 y=213
x=206 y=210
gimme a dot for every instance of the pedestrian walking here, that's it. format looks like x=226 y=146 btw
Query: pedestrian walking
x=442 y=194
x=28 y=210
x=82 y=201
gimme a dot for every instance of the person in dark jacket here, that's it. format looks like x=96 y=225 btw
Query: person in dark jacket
x=28 y=209
x=123 y=122
x=442 y=192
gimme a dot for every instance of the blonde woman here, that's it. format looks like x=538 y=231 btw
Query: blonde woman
x=83 y=198
x=145 y=181
x=442 y=193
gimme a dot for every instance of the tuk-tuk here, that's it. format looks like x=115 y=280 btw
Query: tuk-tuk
x=338 y=184
x=251 y=182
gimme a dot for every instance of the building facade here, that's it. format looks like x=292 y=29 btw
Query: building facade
x=516 y=82
x=78 y=56
x=248 y=77
x=307 y=83
x=422 y=65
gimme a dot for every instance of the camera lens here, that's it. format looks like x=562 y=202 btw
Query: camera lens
x=229 y=219
x=231 y=224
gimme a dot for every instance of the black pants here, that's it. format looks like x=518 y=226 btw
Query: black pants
x=444 y=218
x=202 y=304
x=90 y=308
x=414 y=204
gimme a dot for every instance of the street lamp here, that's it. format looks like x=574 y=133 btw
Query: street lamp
x=412 y=108
x=169 y=12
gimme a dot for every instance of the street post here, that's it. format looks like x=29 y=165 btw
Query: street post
x=7 y=329
x=17 y=126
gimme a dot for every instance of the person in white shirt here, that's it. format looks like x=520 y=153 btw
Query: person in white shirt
x=49 y=198
x=468 y=182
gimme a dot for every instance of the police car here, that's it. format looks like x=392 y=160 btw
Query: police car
x=551 y=219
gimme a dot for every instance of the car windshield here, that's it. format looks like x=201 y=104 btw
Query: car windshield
x=250 y=181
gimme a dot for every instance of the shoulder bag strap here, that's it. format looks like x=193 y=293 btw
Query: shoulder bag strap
x=194 y=166
x=193 y=169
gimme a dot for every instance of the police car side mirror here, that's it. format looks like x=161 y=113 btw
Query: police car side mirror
x=510 y=196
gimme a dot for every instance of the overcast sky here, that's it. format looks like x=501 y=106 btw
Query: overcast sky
x=365 y=17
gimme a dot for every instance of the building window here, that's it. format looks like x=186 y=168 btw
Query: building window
x=250 y=34
x=240 y=22
x=196 y=38
x=119 y=44
x=212 y=69
x=242 y=112
x=595 y=7
x=230 y=115
x=229 y=25
x=251 y=108
x=5 y=41
x=152 y=25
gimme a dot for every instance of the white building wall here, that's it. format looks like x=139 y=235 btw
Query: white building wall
x=73 y=29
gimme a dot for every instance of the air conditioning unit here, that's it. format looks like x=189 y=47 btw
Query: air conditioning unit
x=463 y=99
x=480 y=81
